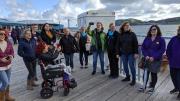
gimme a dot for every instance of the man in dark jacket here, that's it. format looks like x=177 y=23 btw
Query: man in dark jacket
x=112 y=37
x=69 y=46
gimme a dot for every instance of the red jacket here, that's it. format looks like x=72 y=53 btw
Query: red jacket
x=9 y=51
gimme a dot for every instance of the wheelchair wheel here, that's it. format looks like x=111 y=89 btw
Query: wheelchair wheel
x=66 y=91
x=47 y=83
x=46 y=93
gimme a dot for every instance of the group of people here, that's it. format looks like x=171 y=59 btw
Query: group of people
x=118 y=44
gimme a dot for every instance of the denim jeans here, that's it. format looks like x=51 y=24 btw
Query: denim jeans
x=128 y=61
x=4 y=79
x=95 y=57
x=69 y=59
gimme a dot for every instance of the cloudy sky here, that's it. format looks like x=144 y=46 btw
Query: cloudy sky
x=60 y=10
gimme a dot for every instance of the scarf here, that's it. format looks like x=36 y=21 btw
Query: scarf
x=49 y=34
x=84 y=34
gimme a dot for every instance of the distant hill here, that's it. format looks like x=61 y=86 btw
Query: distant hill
x=175 y=20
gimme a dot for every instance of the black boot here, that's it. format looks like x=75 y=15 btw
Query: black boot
x=178 y=97
x=173 y=91
x=133 y=82
x=94 y=72
x=103 y=72
x=126 y=79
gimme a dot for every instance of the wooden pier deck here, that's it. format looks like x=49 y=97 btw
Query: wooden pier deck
x=90 y=88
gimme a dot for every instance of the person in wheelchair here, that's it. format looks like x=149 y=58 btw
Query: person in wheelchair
x=51 y=70
x=46 y=53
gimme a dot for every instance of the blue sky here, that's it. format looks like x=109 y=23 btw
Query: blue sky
x=61 y=10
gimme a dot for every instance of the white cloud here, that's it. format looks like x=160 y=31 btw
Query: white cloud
x=64 y=9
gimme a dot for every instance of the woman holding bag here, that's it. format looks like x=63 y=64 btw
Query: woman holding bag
x=153 y=49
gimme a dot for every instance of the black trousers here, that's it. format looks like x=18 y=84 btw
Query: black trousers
x=83 y=56
x=31 y=66
x=175 y=76
x=113 y=61
x=153 y=79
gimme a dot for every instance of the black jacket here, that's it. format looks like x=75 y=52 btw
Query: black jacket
x=127 y=43
x=68 y=44
x=82 y=43
x=48 y=40
x=48 y=57
x=111 y=42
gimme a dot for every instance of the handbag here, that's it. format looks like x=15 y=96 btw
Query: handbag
x=141 y=63
x=144 y=63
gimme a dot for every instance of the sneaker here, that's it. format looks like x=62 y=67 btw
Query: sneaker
x=141 y=89
x=94 y=72
x=150 y=91
x=178 y=97
x=133 y=83
x=173 y=91
x=103 y=72
x=126 y=79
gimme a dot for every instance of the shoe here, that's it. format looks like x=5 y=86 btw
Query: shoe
x=94 y=72
x=7 y=95
x=103 y=72
x=2 y=95
x=150 y=91
x=126 y=79
x=173 y=91
x=141 y=89
x=133 y=83
x=178 y=97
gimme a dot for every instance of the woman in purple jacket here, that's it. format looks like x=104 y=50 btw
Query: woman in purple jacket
x=6 y=56
x=173 y=54
x=153 y=49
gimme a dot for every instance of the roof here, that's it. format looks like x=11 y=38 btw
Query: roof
x=97 y=13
